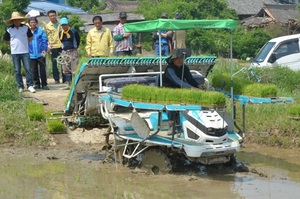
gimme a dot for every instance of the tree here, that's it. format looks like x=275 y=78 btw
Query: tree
x=91 y=6
x=247 y=44
x=200 y=41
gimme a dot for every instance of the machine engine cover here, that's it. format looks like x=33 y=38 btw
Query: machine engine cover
x=204 y=126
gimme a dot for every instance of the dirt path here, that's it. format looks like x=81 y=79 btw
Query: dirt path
x=56 y=99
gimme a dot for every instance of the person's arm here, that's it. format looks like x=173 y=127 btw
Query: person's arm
x=169 y=35
x=110 y=42
x=44 y=41
x=176 y=81
x=189 y=77
x=77 y=37
x=155 y=35
x=117 y=36
x=6 y=37
x=29 y=35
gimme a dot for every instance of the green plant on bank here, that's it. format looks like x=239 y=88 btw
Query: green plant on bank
x=54 y=125
x=294 y=111
x=15 y=125
x=268 y=124
x=35 y=111
x=260 y=90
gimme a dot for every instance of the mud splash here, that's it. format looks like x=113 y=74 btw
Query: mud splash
x=274 y=173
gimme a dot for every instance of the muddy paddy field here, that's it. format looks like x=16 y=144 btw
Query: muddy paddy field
x=74 y=166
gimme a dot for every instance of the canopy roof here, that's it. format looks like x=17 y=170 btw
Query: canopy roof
x=171 y=24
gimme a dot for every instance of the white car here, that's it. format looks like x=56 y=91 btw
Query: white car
x=280 y=51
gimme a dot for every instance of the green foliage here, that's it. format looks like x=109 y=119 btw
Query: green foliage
x=200 y=41
x=191 y=9
x=35 y=111
x=294 y=111
x=213 y=42
x=260 y=90
x=15 y=123
x=19 y=5
x=8 y=85
x=273 y=118
x=223 y=81
x=247 y=43
x=55 y=126
x=6 y=9
x=151 y=94
x=74 y=20
x=91 y=6
x=16 y=126
x=283 y=77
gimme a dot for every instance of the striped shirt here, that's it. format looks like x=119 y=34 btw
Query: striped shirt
x=125 y=44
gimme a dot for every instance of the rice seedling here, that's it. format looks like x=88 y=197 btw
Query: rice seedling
x=294 y=111
x=35 y=111
x=148 y=94
x=260 y=90
x=54 y=125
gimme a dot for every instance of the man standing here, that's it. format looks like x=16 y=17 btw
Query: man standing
x=99 y=41
x=179 y=35
x=70 y=40
x=18 y=36
x=166 y=40
x=52 y=30
x=124 y=41
x=37 y=50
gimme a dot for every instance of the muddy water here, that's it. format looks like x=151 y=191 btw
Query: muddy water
x=274 y=173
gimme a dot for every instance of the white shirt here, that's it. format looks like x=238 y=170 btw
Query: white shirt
x=19 y=39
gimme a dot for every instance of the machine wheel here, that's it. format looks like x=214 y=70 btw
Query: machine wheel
x=155 y=161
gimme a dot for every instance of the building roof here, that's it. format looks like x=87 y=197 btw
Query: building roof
x=45 y=6
x=279 y=13
x=270 y=13
x=248 y=7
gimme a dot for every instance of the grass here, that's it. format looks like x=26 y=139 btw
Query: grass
x=294 y=111
x=35 y=111
x=260 y=90
x=54 y=125
x=269 y=124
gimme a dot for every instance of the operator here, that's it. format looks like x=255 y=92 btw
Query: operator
x=177 y=74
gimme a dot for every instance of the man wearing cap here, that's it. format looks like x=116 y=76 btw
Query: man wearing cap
x=18 y=36
x=124 y=41
x=166 y=40
x=99 y=41
x=177 y=74
x=70 y=40
x=52 y=29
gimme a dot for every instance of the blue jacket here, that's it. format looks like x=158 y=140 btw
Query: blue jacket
x=38 y=44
